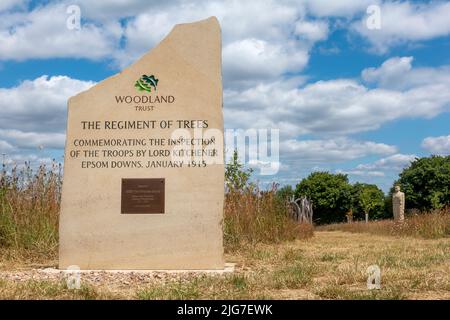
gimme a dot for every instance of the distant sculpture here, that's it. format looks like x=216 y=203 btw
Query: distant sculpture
x=301 y=209
x=398 y=203
x=349 y=216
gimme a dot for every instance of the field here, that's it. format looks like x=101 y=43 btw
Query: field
x=275 y=257
x=330 y=265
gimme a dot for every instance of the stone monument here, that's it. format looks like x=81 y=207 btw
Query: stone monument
x=143 y=174
x=398 y=203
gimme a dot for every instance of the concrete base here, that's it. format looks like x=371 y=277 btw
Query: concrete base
x=229 y=268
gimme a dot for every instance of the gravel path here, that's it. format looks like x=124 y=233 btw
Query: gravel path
x=112 y=279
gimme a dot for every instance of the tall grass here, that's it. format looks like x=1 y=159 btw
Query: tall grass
x=30 y=203
x=252 y=216
x=431 y=225
x=29 y=208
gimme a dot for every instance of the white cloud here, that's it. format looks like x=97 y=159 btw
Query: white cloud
x=333 y=150
x=362 y=173
x=42 y=33
x=262 y=39
x=381 y=172
x=21 y=161
x=395 y=162
x=341 y=8
x=340 y=106
x=5 y=146
x=113 y=9
x=398 y=73
x=33 y=140
x=437 y=145
x=389 y=72
x=312 y=30
x=33 y=116
x=253 y=59
x=39 y=104
x=258 y=42
x=405 y=22
x=9 y=4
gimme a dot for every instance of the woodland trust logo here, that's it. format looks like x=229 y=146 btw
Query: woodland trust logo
x=145 y=102
x=146 y=83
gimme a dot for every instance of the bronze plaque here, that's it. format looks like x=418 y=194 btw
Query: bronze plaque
x=143 y=196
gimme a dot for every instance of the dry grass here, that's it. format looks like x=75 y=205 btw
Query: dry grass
x=253 y=216
x=30 y=202
x=47 y=290
x=432 y=225
x=326 y=265
x=331 y=265
x=29 y=211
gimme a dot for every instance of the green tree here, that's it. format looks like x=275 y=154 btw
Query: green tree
x=371 y=200
x=426 y=183
x=331 y=195
x=236 y=176
x=368 y=199
x=285 y=192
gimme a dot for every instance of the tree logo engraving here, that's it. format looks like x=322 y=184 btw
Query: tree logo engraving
x=146 y=83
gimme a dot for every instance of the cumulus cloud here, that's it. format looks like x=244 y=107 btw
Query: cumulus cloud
x=9 y=4
x=342 y=106
x=381 y=172
x=398 y=73
x=341 y=8
x=265 y=42
x=39 y=104
x=33 y=140
x=107 y=10
x=120 y=29
x=405 y=22
x=261 y=39
x=312 y=30
x=33 y=117
x=437 y=145
x=253 y=59
x=361 y=173
x=258 y=45
x=20 y=161
x=394 y=162
x=333 y=150
x=389 y=72
x=42 y=33
x=5 y=146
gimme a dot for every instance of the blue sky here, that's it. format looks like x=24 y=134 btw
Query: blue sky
x=345 y=96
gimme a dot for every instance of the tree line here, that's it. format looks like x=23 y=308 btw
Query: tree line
x=426 y=183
